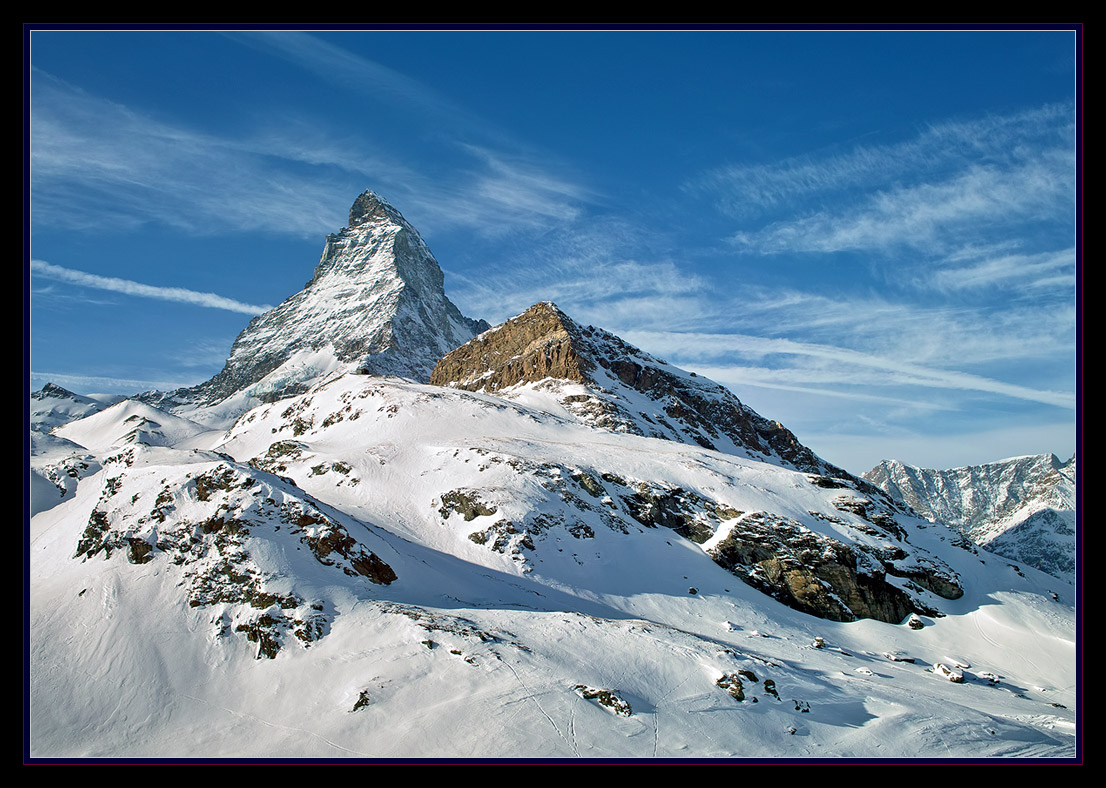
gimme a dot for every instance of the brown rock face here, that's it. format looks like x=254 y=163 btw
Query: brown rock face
x=543 y=343
x=540 y=343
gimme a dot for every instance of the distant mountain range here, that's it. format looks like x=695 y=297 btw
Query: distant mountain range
x=1023 y=508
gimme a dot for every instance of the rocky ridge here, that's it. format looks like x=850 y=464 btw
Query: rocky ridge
x=518 y=482
x=228 y=532
x=1022 y=508
x=622 y=388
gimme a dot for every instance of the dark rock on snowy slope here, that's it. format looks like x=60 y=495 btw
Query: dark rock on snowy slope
x=376 y=302
x=235 y=536
x=828 y=578
x=1022 y=508
x=608 y=383
x=622 y=388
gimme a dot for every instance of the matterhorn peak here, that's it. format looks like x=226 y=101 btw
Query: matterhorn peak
x=371 y=206
x=376 y=303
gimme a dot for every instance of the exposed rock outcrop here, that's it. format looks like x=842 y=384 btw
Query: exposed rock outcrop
x=235 y=537
x=538 y=344
x=825 y=577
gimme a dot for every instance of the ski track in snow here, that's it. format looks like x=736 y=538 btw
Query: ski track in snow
x=982 y=634
x=530 y=695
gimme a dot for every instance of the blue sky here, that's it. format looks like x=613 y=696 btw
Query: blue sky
x=869 y=236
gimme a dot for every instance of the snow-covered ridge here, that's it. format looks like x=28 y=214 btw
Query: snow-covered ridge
x=53 y=406
x=544 y=355
x=1022 y=508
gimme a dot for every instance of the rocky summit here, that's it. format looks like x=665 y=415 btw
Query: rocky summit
x=620 y=388
x=376 y=303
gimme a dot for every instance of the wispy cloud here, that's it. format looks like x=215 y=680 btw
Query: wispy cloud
x=930 y=216
x=750 y=190
x=816 y=382
x=512 y=188
x=610 y=291
x=201 y=354
x=1045 y=270
x=95 y=163
x=600 y=269
x=953 y=185
x=128 y=287
x=359 y=74
x=514 y=184
x=941 y=334
x=107 y=385
x=895 y=371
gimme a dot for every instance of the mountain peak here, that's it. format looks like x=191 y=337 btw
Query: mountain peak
x=370 y=206
x=542 y=342
x=52 y=390
x=376 y=302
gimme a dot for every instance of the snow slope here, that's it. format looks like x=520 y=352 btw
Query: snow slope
x=488 y=647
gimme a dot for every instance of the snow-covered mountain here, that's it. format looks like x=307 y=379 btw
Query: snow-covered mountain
x=561 y=546
x=56 y=464
x=376 y=303
x=53 y=406
x=1021 y=508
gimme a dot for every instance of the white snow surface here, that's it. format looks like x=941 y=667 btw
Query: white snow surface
x=478 y=646
x=128 y=422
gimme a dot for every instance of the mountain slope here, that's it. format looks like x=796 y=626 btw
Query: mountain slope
x=1021 y=508
x=57 y=465
x=541 y=600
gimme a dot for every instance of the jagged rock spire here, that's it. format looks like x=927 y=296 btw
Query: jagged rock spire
x=372 y=206
x=376 y=302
